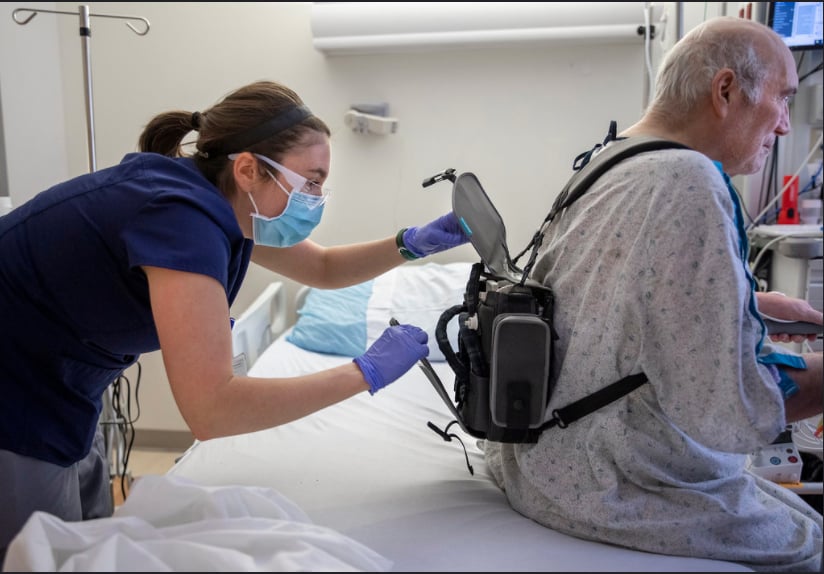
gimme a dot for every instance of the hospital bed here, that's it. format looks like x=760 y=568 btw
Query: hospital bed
x=368 y=471
x=372 y=469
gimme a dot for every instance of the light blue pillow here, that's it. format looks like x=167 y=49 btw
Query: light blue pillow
x=346 y=321
x=333 y=321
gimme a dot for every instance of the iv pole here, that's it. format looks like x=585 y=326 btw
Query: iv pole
x=108 y=417
x=85 y=37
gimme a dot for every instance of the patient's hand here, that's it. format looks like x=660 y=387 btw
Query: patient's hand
x=780 y=306
x=808 y=401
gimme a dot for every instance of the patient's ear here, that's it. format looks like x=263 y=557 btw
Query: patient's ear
x=724 y=84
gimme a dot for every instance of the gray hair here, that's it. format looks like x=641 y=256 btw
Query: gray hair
x=686 y=72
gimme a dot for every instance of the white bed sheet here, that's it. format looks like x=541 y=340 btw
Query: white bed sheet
x=371 y=469
x=170 y=524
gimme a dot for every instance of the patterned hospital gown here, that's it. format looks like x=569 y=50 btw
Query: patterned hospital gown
x=648 y=276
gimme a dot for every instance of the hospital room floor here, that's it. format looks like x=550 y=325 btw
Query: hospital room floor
x=152 y=461
x=146 y=461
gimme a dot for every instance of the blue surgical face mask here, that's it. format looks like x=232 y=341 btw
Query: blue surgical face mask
x=301 y=216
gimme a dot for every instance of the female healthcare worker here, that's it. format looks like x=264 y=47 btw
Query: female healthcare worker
x=149 y=254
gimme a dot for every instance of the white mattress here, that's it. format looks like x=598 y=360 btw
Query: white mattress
x=371 y=469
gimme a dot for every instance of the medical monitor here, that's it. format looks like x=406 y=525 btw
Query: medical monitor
x=798 y=23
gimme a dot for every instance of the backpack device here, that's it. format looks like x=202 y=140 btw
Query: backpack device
x=505 y=337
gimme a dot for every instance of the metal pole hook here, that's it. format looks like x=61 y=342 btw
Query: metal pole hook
x=32 y=12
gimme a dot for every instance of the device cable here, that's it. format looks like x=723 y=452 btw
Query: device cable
x=790 y=180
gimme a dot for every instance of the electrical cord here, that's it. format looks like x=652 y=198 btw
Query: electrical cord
x=768 y=178
x=811 y=185
x=123 y=421
x=741 y=202
x=812 y=470
x=766 y=247
x=808 y=348
x=818 y=68
x=647 y=55
x=803 y=165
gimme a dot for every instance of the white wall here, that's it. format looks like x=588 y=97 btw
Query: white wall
x=33 y=121
x=515 y=115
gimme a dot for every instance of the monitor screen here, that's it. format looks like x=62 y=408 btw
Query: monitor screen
x=798 y=23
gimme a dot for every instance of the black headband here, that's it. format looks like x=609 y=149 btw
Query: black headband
x=238 y=142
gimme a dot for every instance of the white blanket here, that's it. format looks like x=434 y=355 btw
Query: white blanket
x=171 y=524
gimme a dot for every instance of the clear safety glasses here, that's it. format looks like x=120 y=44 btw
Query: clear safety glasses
x=295 y=180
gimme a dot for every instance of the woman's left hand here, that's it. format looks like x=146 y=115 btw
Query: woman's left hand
x=436 y=236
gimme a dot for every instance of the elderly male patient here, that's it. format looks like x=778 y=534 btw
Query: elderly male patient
x=649 y=269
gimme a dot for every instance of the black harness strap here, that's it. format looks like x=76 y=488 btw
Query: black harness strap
x=581 y=181
x=596 y=166
x=582 y=407
x=589 y=166
x=578 y=184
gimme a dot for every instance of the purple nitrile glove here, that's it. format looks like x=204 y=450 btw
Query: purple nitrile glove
x=439 y=235
x=391 y=355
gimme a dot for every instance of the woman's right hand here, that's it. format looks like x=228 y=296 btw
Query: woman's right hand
x=396 y=351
